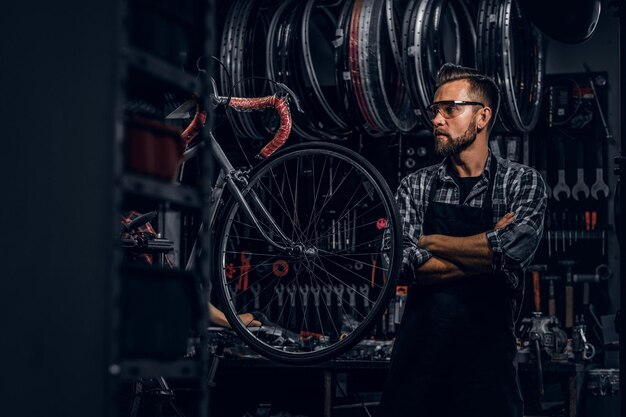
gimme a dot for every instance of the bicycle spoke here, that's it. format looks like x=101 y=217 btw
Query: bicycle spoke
x=346 y=285
x=327 y=201
x=330 y=315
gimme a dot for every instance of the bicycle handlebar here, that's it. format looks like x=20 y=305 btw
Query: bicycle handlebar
x=242 y=104
x=281 y=106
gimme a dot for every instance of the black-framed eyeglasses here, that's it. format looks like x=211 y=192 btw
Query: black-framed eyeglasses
x=449 y=109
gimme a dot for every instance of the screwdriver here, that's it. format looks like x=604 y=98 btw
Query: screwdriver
x=549 y=228
x=594 y=219
x=563 y=224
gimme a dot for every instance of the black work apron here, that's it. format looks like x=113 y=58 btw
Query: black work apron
x=455 y=353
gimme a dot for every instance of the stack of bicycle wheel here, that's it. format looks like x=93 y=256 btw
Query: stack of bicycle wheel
x=370 y=66
x=509 y=50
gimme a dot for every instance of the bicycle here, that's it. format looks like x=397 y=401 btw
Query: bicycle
x=309 y=241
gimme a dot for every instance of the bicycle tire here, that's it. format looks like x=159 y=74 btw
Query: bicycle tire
x=343 y=185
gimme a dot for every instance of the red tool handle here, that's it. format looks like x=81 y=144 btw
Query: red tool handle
x=536 y=292
x=594 y=220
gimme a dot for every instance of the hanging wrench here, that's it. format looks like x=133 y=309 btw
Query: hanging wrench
x=291 y=291
x=304 y=295
x=580 y=186
x=327 y=290
x=599 y=186
x=315 y=290
x=561 y=186
x=351 y=290
x=601 y=81
x=280 y=294
x=364 y=289
x=339 y=289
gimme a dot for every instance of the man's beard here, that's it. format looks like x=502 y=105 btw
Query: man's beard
x=453 y=146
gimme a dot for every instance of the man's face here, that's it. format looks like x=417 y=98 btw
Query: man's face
x=454 y=135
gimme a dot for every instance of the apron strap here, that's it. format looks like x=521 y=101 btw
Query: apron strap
x=488 y=203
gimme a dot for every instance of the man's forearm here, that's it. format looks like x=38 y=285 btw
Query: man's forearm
x=471 y=252
x=437 y=271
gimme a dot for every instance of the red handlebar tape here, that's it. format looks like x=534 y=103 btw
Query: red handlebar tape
x=238 y=103
x=280 y=104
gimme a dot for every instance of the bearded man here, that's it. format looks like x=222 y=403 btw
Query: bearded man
x=471 y=224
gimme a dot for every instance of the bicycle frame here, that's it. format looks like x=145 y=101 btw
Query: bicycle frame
x=232 y=178
x=229 y=176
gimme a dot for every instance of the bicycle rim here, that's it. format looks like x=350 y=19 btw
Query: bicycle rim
x=322 y=298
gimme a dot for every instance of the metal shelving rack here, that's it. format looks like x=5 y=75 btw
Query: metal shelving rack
x=145 y=55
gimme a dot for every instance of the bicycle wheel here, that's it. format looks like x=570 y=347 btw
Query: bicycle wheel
x=319 y=295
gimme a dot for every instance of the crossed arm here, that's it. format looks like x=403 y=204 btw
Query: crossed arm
x=456 y=257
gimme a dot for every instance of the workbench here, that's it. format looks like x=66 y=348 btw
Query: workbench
x=309 y=390
x=313 y=391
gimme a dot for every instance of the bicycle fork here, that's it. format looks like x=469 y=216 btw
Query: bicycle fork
x=231 y=178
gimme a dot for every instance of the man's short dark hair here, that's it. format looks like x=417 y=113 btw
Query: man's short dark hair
x=481 y=87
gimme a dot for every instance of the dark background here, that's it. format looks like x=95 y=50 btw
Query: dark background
x=57 y=73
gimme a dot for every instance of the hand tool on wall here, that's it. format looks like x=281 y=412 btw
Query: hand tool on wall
x=592 y=84
x=351 y=290
x=551 y=294
x=591 y=219
x=536 y=271
x=280 y=302
x=555 y=231
x=327 y=292
x=317 y=313
x=564 y=218
x=548 y=231
x=594 y=220
x=599 y=187
x=339 y=290
x=569 y=292
x=561 y=186
x=304 y=299
x=373 y=273
x=571 y=226
x=602 y=273
x=364 y=289
x=293 y=313
x=580 y=186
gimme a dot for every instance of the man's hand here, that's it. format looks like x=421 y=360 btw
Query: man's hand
x=505 y=220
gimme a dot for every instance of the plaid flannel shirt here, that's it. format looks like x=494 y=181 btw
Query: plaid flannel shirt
x=518 y=188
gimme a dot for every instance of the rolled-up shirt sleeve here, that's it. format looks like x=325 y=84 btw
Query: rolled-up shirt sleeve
x=409 y=203
x=514 y=246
